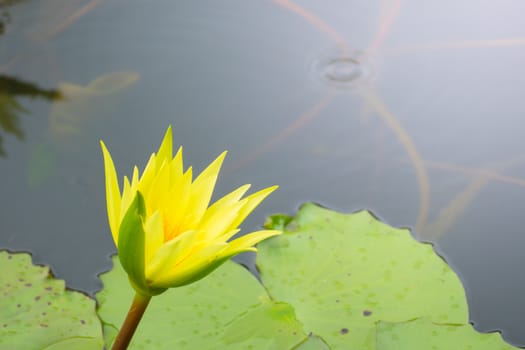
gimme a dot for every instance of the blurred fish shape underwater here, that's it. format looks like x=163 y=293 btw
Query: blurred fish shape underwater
x=86 y=104
x=74 y=121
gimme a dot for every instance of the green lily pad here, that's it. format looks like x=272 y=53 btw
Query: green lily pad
x=228 y=309
x=37 y=312
x=331 y=281
x=313 y=343
x=424 y=334
x=343 y=273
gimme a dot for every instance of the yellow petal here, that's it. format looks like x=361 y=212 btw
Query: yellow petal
x=217 y=224
x=247 y=242
x=128 y=195
x=169 y=254
x=148 y=176
x=250 y=203
x=154 y=235
x=112 y=193
x=177 y=205
x=202 y=189
x=157 y=196
x=223 y=204
x=176 y=167
x=135 y=178
x=166 y=148
x=225 y=236
x=212 y=169
x=196 y=266
x=220 y=215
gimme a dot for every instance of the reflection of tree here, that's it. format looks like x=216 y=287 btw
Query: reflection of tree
x=5 y=17
x=10 y=108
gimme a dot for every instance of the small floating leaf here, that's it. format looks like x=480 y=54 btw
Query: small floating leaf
x=112 y=82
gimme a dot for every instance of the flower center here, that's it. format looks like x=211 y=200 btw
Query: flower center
x=171 y=230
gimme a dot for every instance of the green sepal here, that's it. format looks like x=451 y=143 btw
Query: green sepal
x=131 y=244
x=201 y=272
x=145 y=290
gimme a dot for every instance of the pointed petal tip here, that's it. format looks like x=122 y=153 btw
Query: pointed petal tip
x=216 y=165
x=220 y=158
x=265 y=192
x=271 y=233
x=103 y=146
x=272 y=188
x=251 y=239
x=169 y=131
x=165 y=150
x=245 y=188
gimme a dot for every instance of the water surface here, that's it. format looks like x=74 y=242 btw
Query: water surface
x=411 y=109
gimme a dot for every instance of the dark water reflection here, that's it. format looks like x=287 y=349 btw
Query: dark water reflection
x=11 y=110
x=411 y=109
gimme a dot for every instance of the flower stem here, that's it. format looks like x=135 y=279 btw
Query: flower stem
x=136 y=310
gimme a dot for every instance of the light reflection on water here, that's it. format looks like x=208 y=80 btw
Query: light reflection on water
x=427 y=136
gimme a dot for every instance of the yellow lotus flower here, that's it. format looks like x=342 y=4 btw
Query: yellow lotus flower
x=165 y=232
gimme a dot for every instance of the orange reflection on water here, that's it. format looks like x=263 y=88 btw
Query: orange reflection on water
x=68 y=21
x=297 y=124
x=391 y=13
x=454 y=45
x=480 y=177
x=313 y=20
x=388 y=19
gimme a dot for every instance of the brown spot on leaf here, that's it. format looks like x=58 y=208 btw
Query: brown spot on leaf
x=344 y=330
x=367 y=313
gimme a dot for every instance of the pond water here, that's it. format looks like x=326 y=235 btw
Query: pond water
x=411 y=109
